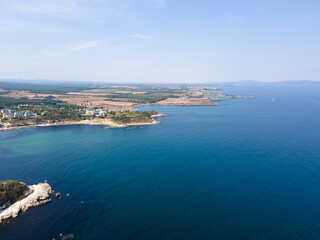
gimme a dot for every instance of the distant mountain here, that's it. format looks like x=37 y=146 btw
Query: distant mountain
x=298 y=82
x=248 y=82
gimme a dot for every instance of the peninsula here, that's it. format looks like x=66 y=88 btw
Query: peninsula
x=43 y=116
x=17 y=196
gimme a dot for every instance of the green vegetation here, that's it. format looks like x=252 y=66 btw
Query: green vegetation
x=133 y=117
x=152 y=95
x=50 y=114
x=44 y=88
x=11 y=191
x=8 y=102
x=47 y=111
x=61 y=113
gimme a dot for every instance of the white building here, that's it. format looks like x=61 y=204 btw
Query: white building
x=33 y=96
x=7 y=115
x=90 y=112
x=29 y=114
x=6 y=110
x=18 y=115
x=102 y=113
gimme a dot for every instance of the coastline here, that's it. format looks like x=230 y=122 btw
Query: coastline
x=190 y=101
x=38 y=195
x=100 y=121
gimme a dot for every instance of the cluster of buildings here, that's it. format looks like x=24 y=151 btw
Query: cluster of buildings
x=207 y=93
x=84 y=104
x=97 y=113
x=9 y=113
x=123 y=110
x=198 y=92
x=33 y=96
x=104 y=112
x=195 y=92
x=219 y=94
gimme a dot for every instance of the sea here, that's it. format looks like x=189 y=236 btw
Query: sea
x=247 y=169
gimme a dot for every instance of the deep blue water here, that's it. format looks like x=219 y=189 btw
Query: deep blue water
x=249 y=169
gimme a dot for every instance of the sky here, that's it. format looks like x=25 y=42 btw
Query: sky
x=160 y=41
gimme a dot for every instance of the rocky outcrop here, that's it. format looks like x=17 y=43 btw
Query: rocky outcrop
x=39 y=195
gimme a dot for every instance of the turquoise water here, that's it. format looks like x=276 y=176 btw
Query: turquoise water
x=249 y=169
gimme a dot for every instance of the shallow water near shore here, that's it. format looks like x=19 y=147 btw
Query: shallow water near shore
x=248 y=169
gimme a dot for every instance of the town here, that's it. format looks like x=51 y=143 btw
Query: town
x=8 y=113
x=28 y=115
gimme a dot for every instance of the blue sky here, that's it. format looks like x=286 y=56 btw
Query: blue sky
x=163 y=41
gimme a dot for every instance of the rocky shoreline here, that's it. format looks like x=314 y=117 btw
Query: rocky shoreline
x=37 y=195
x=106 y=122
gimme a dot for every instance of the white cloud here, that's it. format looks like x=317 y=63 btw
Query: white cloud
x=85 y=45
x=70 y=10
x=56 y=8
x=77 y=10
x=142 y=36
x=75 y=48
